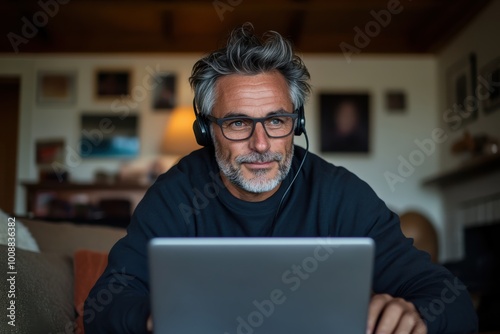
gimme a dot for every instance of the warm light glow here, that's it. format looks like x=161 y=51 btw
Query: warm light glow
x=179 y=137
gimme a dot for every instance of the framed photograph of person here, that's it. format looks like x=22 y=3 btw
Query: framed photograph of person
x=462 y=104
x=164 y=94
x=344 y=122
x=489 y=86
x=112 y=83
x=56 y=88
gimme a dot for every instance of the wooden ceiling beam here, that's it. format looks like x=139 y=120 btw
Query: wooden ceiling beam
x=337 y=5
x=296 y=24
x=434 y=34
x=194 y=26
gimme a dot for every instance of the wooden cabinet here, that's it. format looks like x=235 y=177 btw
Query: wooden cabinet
x=101 y=203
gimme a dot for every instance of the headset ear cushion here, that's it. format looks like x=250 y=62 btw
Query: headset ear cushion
x=198 y=133
x=202 y=131
x=301 y=121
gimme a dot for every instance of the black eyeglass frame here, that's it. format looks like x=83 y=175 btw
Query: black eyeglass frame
x=254 y=120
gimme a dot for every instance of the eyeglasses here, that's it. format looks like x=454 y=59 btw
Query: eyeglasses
x=241 y=128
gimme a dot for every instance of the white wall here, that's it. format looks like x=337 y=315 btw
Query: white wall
x=480 y=37
x=392 y=135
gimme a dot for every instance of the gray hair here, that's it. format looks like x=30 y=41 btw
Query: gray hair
x=247 y=54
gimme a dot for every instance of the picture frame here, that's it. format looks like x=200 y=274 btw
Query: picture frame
x=461 y=83
x=56 y=88
x=107 y=135
x=395 y=101
x=164 y=93
x=489 y=85
x=344 y=122
x=112 y=83
x=48 y=151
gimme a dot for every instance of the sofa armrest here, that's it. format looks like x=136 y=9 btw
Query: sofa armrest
x=67 y=238
x=42 y=292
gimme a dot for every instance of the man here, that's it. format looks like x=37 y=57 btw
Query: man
x=250 y=180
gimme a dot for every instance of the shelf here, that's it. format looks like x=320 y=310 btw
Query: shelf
x=96 y=203
x=472 y=169
x=75 y=186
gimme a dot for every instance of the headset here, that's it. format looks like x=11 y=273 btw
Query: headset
x=201 y=126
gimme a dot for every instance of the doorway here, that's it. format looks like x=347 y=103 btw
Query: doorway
x=9 y=120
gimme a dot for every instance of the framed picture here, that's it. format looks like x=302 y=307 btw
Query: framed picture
x=49 y=151
x=344 y=122
x=109 y=136
x=395 y=101
x=112 y=83
x=461 y=82
x=489 y=86
x=56 y=88
x=164 y=94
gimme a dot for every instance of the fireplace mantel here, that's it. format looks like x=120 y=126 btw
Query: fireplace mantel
x=469 y=170
x=471 y=197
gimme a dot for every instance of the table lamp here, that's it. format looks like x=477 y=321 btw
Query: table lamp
x=179 y=138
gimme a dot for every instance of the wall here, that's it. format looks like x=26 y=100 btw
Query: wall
x=392 y=135
x=479 y=37
x=41 y=122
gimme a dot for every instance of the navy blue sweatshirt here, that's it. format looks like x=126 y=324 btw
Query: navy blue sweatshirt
x=190 y=200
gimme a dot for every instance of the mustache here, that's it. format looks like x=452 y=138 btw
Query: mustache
x=255 y=157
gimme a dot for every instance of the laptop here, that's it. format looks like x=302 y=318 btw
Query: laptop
x=260 y=285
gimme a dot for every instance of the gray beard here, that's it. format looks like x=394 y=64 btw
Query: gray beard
x=258 y=183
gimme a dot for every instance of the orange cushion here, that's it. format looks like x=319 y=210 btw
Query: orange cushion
x=88 y=267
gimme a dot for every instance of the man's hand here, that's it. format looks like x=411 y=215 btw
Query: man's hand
x=149 y=324
x=387 y=314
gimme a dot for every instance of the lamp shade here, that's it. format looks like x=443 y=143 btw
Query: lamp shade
x=179 y=138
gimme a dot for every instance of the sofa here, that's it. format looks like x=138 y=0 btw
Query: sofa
x=51 y=285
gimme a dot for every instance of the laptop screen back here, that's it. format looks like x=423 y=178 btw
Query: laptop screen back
x=260 y=285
